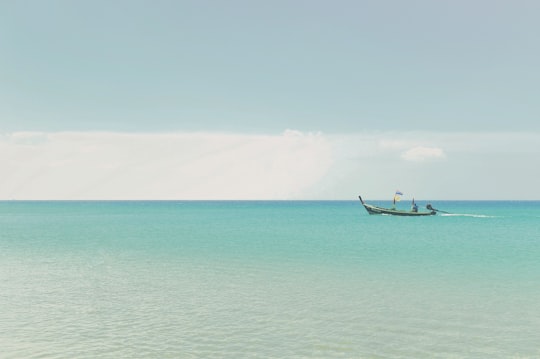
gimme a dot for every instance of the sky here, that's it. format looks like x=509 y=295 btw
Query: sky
x=269 y=100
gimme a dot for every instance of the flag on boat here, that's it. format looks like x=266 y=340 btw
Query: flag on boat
x=397 y=196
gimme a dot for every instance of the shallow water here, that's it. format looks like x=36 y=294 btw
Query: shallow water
x=268 y=279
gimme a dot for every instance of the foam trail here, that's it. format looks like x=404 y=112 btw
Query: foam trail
x=466 y=215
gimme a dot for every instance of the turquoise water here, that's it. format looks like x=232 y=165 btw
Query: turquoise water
x=268 y=280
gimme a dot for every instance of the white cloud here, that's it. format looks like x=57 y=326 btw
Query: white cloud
x=292 y=165
x=434 y=165
x=420 y=154
x=79 y=165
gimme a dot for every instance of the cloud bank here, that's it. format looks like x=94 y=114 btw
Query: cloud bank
x=71 y=165
x=291 y=165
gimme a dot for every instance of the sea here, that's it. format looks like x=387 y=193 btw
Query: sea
x=268 y=279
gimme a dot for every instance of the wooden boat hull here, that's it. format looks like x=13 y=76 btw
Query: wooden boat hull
x=393 y=212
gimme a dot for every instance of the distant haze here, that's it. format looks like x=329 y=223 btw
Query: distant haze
x=292 y=165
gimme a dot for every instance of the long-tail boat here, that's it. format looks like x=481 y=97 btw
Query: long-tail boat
x=397 y=212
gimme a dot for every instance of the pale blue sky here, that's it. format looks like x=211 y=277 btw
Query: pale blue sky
x=274 y=99
x=259 y=67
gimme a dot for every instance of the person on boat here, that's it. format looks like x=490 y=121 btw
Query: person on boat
x=414 y=207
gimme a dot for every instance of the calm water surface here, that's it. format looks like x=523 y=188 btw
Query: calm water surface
x=269 y=280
